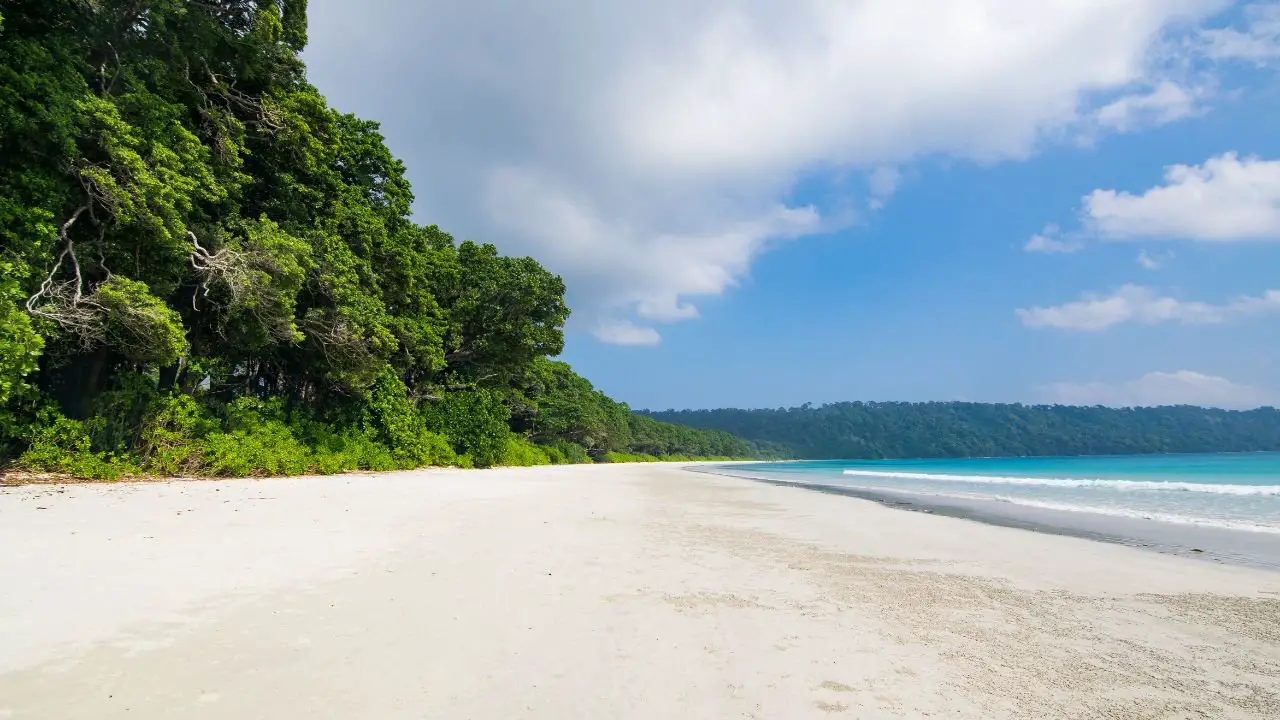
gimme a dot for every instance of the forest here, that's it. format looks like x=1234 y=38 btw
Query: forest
x=878 y=430
x=206 y=269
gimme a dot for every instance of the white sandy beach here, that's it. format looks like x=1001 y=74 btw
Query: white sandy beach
x=598 y=592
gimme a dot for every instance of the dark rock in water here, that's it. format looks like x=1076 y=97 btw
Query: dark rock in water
x=1196 y=550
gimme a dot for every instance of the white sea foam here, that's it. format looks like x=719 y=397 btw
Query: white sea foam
x=1133 y=513
x=1143 y=515
x=1122 y=485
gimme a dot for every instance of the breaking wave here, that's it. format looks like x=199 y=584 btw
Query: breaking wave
x=1121 y=485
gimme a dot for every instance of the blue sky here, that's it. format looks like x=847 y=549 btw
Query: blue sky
x=766 y=203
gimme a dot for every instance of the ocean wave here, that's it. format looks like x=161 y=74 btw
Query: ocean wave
x=1122 y=485
x=1143 y=515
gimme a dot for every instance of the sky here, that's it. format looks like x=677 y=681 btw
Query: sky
x=762 y=203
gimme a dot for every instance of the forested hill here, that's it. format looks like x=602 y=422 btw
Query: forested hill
x=204 y=268
x=855 y=430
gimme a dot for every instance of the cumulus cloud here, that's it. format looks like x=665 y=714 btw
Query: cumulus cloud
x=1257 y=42
x=1163 y=104
x=645 y=151
x=1142 y=305
x=1184 y=387
x=1050 y=241
x=1041 y=243
x=1228 y=198
x=625 y=332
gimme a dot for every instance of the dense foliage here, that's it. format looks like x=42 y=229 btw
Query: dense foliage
x=956 y=429
x=205 y=268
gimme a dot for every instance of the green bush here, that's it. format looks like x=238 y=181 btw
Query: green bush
x=171 y=433
x=177 y=435
x=474 y=421
x=271 y=449
x=59 y=444
x=256 y=442
x=555 y=455
x=400 y=426
x=437 y=450
x=566 y=453
x=352 y=449
x=522 y=453
x=622 y=457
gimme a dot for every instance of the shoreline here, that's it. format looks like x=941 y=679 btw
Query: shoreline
x=621 y=591
x=1237 y=547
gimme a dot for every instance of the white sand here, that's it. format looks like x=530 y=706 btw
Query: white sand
x=598 y=592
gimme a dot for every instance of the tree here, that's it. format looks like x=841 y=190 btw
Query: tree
x=504 y=313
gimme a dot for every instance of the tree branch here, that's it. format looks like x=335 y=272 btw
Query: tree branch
x=226 y=264
x=68 y=250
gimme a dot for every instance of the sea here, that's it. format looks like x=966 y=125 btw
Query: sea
x=1223 y=506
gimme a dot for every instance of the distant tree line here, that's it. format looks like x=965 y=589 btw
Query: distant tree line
x=873 y=430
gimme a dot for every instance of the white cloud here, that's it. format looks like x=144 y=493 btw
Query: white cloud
x=766 y=84
x=1183 y=387
x=1142 y=305
x=1050 y=241
x=625 y=332
x=1228 y=198
x=1148 y=261
x=1044 y=244
x=620 y=266
x=1163 y=104
x=1258 y=42
x=645 y=151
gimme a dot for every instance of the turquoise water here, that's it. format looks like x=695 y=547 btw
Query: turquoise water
x=1230 y=491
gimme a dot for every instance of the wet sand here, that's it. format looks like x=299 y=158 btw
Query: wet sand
x=1212 y=544
x=601 y=591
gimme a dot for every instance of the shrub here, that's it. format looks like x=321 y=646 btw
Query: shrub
x=555 y=455
x=257 y=442
x=522 y=453
x=351 y=449
x=622 y=457
x=474 y=421
x=438 y=451
x=59 y=444
x=402 y=428
x=566 y=453
x=170 y=435
x=269 y=450
x=260 y=440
